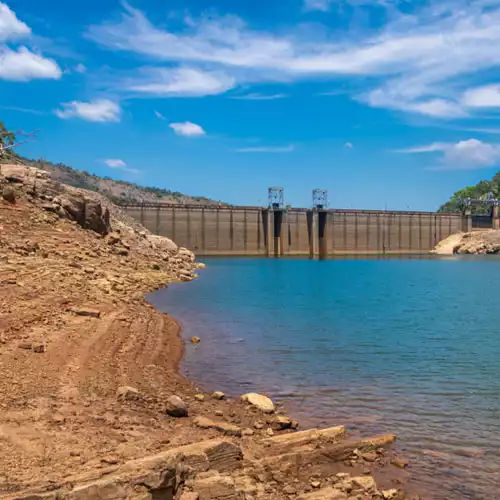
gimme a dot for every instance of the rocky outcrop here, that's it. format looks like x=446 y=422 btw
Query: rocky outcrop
x=223 y=470
x=477 y=242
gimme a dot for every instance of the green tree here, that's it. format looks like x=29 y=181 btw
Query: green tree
x=456 y=202
x=7 y=139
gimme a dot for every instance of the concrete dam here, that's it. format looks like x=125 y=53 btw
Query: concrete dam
x=274 y=231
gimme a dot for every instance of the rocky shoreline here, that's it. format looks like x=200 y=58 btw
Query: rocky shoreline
x=473 y=243
x=91 y=402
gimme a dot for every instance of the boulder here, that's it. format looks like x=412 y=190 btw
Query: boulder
x=8 y=194
x=218 y=395
x=176 y=407
x=263 y=403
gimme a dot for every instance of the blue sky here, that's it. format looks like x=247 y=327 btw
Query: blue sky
x=385 y=103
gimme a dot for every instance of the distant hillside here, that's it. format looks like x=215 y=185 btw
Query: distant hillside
x=117 y=191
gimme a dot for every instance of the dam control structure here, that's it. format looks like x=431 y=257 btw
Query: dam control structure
x=280 y=230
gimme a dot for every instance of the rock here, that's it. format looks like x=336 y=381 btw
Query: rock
x=364 y=482
x=206 y=423
x=393 y=494
x=263 y=403
x=38 y=347
x=92 y=313
x=327 y=493
x=199 y=397
x=330 y=434
x=113 y=238
x=8 y=194
x=58 y=419
x=370 y=456
x=315 y=484
x=215 y=487
x=195 y=340
x=258 y=425
x=24 y=345
x=218 y=413
x=282 y=423
x=126 y=393
x=189 y=495
x=400 y=462
x=247 y=432
x=269 y=432
x=176 y=407
x=289 y=490
x=218 y=395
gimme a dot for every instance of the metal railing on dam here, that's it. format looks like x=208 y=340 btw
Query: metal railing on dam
x=239 y=230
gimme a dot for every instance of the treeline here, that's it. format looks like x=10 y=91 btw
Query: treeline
x=482 y=188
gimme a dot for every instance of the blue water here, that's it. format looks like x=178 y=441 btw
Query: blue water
x=410 y=346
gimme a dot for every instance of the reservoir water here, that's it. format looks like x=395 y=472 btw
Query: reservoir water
x=410 y=346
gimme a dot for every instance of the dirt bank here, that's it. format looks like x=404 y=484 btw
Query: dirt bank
x=88 y=369
x=476 y=242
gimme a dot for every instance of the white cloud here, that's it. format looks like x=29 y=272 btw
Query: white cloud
x=267 y=149
x=255 y=96
x=10 y=25
x=463 y=155
x=187 y=129
x=180 y=82
x=487 y=96
x=115 y=163
x=419 y=63
x=98 y=110
x=159 y=115
x=80 y=68
x=119 y=165
x=349 y=145
x=22 y=65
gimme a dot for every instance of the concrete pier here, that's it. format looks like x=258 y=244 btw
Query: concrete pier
x=222 y=230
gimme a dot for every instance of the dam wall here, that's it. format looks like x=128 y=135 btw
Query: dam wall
x=223 y=230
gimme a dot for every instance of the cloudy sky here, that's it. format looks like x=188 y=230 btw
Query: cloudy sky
x=385 y=103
